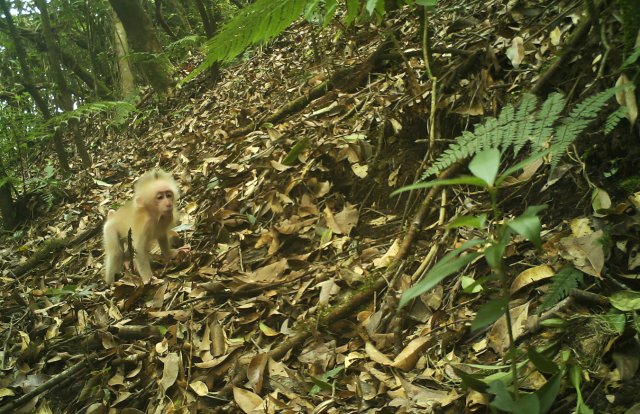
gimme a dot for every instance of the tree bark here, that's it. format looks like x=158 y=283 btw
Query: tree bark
x=208 y=25
x=29 y=85
x=7 y=205
x=140 y=32
x=127 y=84
x=163 y=22
x=63 y=94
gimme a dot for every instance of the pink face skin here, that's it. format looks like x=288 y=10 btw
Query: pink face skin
x=164 y=201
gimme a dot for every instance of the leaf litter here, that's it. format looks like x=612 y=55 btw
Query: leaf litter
x=292 y=230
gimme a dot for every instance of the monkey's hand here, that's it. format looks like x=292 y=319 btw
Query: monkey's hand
x=181 y=253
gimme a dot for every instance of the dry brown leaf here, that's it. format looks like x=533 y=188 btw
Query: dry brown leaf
x=255 y=371
x=169 y=371
x=247 y=400
x=498 y=334
x=531 y=275
x=586 y=252
x=407 y=358
x=200 y=388
x=627 y=97
x=387 y=258
x=515 y=52
x=376 y=355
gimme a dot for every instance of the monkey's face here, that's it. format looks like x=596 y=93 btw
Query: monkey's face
x=164 y=202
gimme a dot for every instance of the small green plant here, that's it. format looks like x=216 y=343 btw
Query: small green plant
x=499 y=230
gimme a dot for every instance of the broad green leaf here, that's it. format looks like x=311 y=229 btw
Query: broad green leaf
x=615 y=320
x=528 y=225
x=476 y=222
x=542 y=363
x=485 y=165
x=527 y=404
x=446 y=266
x=371 y=5
x=554 y=323
x=465 y=179
x=625 y=300
x=470 y=285
x=292 y=156
x=494 y=253
x=470 y=381
x=503 y=401
x=489 y=313
x=549 y=391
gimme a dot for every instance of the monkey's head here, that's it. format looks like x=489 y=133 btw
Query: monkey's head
x=157 y=192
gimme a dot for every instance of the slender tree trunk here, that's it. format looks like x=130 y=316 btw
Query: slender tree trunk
x=127 y=84
x=163 y=22
x=29 y=86
x=209 y=30
x=63 y=94
x=7 y=205
x=142 y=36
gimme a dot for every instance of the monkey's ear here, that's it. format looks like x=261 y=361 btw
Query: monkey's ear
x=139 y=202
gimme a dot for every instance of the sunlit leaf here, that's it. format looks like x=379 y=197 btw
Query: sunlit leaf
x=489 y=313
x=485 y=165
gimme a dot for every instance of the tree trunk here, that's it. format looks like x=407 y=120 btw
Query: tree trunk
x=63 y=93
x=140 y=32
x=7 y=205
x=29 y=86
x=163 y=22
x=209 y=28
x=127 y=84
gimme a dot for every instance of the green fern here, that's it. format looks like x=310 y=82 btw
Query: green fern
x=564 y=281
x=579 y=118
x=614 y=119
x=527 y=125
x=255 y=23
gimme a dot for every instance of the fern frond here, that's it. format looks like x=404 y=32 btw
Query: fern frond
x=255 y=23
x=564 y=281
x=516 y=128
x=546 y=118
x=614 y=119
x=526 y=118
x=579 y=118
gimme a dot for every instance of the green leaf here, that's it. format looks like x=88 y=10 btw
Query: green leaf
x=489 y=313
x=446 y=266
x=625 y=300
x=292 y=156
x=485 y=165
x=371 y=5
x=470 y=285
x=527 y=404
x=427 y=3
x=470 y=380
x=494 y=253
x=542 y=363
x=616 y=320
x=549 y=391
x=521 y=165
x=476 y=222
x=528 y=225
x=465 y=179
x=503 y=401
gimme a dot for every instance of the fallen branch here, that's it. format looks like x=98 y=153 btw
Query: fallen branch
x=53 y=246
x=47 y=385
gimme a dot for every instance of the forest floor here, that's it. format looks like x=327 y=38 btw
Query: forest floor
x=289 y=299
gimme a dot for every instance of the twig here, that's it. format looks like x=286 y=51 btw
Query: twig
x=47 y=385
